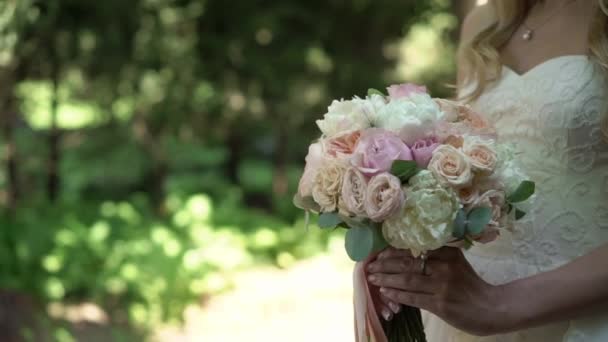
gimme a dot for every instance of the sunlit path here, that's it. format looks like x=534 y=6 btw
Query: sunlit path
x=311 y=301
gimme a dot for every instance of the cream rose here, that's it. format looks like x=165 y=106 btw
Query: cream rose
x=481 y=154
x=468 y=195
x=344 y=117
x=451 y=167
x=327 y=185
x=426 y=220
x=354 y=190
x=384 y=197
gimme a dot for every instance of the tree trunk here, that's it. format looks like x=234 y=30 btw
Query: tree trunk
x=10 y=154
x=54 y=139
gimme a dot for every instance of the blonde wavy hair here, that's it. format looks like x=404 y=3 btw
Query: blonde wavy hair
x=480 y=56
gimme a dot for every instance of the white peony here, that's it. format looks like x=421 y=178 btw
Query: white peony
x=413 y=118
x=345 y=116
x=426 y=220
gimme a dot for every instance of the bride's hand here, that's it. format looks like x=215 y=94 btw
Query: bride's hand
x=450 y=289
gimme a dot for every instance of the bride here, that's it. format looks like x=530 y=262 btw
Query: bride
x=539 y=70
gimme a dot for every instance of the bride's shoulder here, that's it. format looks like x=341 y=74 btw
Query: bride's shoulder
x=478 y=19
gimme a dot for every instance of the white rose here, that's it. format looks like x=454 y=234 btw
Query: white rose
x=481 y=154
x=413 y=118
x=343 y=117
x=451 y=167
x=426 y=220
x=327 y=186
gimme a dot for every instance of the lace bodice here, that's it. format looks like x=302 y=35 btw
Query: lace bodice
x=553 y=116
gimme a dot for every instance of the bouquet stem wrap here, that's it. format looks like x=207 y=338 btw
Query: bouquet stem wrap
x=406 y=326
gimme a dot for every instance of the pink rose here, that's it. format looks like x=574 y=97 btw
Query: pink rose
x=422 y=150
x=314 y=161
x=377 y=150
x=398 y=91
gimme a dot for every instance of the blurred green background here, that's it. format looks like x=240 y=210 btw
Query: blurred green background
x=150 y=148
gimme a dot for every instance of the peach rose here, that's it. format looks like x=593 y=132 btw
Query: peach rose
x=384 y=197
x=481 y=154
x=451 y=167
x=342 y=145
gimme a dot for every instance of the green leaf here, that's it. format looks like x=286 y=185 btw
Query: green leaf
x=359 y=243
x=329 y=220
x=373 y=91
x=404 y=169
x=523 y=192
x=478 y=220
x=306 y=203
x=519 y=214
x=460 y=224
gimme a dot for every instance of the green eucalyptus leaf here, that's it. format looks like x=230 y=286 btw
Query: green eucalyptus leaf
x=478 y=219
x=373 y=91
x=524 y=191
x=460 y=224
x=519 y=214
x=329 y=220
x=359 y=243
x=404 y=169
x=380 y=242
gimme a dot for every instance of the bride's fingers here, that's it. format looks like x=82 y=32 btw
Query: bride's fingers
x=393 y=265
x=412 y=282
x=392 y=252
x=418 y=300
x=394 y=307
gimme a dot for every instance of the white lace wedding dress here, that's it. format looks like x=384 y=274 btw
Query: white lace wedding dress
x=553 y=115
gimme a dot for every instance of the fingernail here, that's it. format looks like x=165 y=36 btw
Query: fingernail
x=371 y=267
x=372 y=278
x=395 y=307
x=386 y=314
x=383 y=290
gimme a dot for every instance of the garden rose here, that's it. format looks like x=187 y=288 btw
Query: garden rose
x=377 y=150
x=314 y=160
x=354 y=190
x=327 y=185
x=422 y=150
x=481 y=154
x=425 y=222
x=343 y=117
x=384 y=197
x=451 y=167
x=398 y=91
x=468 y=195
x=495 y=200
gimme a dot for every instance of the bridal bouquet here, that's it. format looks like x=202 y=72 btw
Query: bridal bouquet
x=412 y=172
